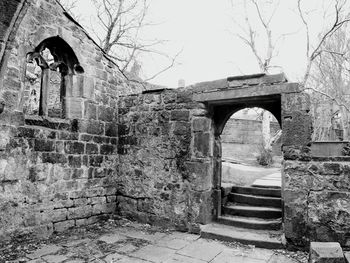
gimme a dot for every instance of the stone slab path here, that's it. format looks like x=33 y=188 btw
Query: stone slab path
x=136 y=243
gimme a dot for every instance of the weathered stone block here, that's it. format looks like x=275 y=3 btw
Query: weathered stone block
x=295 y=102
x=106 y=149
x=26 y=132
x=106 y=208
x=79 y=212
x=74 y=147
x=91 y=127
x=64 y=225
x=169 y=97
x=54 y=158
x=297 y=129
x=200 y=175
x=126 y=203
x=81 y=201
x=71 y=136
x=90 y=110
x=101 y=139
x=98 y=200
x=89 y=88
x=201 y=144
x=326 y=252
x=74 y=108
x=201 y=124
x=77 y=173
x=184 y=96
x=43 y=145
x=206 y=206
x=57 y=215
x=180 y=115
x=95 y=192
x=86 y=137
x=111 y=129
x=182 y=128
x=332 y=168
x=91 y=148
x=74 y=161
x=111 y=198
x=105 y=114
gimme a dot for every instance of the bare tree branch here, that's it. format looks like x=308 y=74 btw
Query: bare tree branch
x=337 y=24
x=122 y=22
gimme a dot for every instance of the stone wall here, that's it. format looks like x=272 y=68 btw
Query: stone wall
x=57 y=172
x=317 y=198
x=245 y=131
x=316 y=189
x=165 y=147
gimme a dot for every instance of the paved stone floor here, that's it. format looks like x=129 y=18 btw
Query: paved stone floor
x=137 y=243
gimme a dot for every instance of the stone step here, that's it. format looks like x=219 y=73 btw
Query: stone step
x=252 y=211
x=251 y=222
x=267 y=183
x=256 y=200
x=257 y=191
x=258 y=238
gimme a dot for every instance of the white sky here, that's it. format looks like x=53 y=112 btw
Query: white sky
x=206 y=33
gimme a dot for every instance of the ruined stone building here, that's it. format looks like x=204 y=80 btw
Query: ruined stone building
x=78 y=142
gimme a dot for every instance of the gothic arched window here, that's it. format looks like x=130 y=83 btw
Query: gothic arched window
x=49 y=77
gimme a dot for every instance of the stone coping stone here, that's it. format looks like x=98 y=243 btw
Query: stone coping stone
x=256 y=79
x=326 y=252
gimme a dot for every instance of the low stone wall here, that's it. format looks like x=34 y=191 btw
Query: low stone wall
x=317 y=198
x=165 y=166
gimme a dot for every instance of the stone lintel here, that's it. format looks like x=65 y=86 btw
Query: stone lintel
x=232 y=94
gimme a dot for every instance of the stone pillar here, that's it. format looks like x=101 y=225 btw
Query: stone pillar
x=296 y=142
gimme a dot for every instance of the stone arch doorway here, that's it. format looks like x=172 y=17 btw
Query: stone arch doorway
x=284 y=100
x=222 y=111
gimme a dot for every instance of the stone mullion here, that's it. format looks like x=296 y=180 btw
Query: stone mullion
x=45 y=79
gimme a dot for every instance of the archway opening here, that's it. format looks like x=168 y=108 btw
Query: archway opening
x=251 y=149
x=251 y=179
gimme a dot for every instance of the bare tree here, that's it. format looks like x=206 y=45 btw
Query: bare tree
x=251 y=33
x=341 y=18
x=326 y=59
x=263 y=56
x=330 y=74
x=327 y=75
x=120 y=34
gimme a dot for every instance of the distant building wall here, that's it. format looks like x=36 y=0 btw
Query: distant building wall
x=244 y=137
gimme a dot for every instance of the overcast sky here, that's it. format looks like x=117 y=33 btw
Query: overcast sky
x=205 y=31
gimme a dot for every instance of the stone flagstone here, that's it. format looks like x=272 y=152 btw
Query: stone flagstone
x=202 y=249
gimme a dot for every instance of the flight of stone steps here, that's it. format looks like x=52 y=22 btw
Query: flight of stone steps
x=250 y=215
